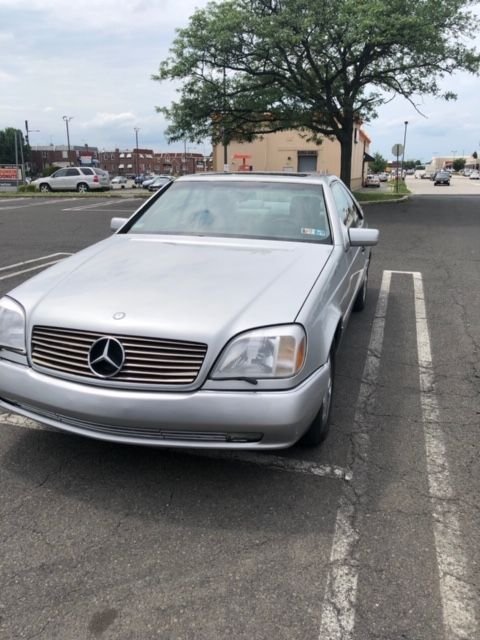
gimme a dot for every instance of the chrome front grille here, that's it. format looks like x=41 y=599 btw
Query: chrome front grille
x=147 y=360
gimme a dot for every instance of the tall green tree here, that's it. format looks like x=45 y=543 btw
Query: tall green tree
x=251 y=67
x=379 y=163
x=7 y=146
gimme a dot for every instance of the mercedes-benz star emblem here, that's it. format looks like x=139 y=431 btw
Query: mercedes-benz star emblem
x=106 y=357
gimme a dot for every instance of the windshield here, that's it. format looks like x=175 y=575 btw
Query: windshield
x=272 y=210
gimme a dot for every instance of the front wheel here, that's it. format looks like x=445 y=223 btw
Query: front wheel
x=82 y=187
x=44 y=188
x=318 y=430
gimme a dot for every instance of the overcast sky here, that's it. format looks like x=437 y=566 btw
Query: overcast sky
x=93 y=62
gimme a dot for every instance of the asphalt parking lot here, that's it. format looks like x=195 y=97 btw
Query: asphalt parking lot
x=373 y=536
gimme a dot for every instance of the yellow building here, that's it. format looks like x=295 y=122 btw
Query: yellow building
x=290 y=151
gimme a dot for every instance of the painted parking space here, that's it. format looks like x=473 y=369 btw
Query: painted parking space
x=30 y=203
x=33 y=264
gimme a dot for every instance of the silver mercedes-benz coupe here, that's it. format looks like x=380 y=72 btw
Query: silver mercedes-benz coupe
x=210 y=318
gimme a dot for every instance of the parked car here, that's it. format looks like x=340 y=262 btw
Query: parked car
x=372 y=181
x=442 y=177
x=79 y=179
x=159 y=182
x=383 y=177
x=215 y=323
x=474 y=175
x=121 y=182
x=148 y=181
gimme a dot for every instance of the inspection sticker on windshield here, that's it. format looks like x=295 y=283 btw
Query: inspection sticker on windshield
x=313 y=232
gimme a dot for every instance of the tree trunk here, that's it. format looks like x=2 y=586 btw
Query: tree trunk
x=346 y=153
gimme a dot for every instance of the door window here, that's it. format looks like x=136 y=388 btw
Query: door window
x=348 y=211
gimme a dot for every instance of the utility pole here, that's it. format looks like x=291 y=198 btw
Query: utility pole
x=136 y=129
x=224 y=132
x=16 y=156
x=404 y=142
x=27 y=141
x=28 y=132
x=67 y=120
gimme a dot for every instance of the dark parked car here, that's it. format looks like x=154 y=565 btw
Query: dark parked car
x=159 y=182
x=442 y=177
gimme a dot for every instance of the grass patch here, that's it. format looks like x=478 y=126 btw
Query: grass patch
x=384 y=196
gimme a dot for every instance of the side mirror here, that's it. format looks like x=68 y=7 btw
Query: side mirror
x=117 y=223
x=363 y=237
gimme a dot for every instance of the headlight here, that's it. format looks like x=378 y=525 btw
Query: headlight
x=274 y=352
x=12 y=325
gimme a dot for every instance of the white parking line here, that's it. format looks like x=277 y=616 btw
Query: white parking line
x=458 y=596
x=35 y=204
x=95 y=205
x=338 y=613
x=267 y=460
x=21 y=264
x=41 y=265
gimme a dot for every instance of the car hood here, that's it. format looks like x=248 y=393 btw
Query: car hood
x=175 y=287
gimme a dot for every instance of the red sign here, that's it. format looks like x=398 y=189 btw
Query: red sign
x=8 y=173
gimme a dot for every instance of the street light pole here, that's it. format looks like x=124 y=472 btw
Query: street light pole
x=136 y=129
x=67 y=120
x=404 y=142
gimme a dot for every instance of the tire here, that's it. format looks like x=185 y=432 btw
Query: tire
x=44 y=187
x=82 y=187
x=360 y=300
x=318 y=430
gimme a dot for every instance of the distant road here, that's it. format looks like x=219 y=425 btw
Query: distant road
x=459 y=185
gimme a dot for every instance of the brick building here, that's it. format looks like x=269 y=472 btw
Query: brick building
x=123 y=162
x=131 y=162
x=58 y=156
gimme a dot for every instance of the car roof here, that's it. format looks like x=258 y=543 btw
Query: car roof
x=260 y=176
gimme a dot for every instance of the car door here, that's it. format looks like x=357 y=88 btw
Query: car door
x=354 y=258
x=72 y=178
x=57 y=180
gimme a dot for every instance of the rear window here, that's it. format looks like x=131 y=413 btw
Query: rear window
x=86 y=171
x=271 y=210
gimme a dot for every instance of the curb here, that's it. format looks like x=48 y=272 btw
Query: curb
x=392 y=201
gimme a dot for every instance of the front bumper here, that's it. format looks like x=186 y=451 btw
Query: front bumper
x=202 y=419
